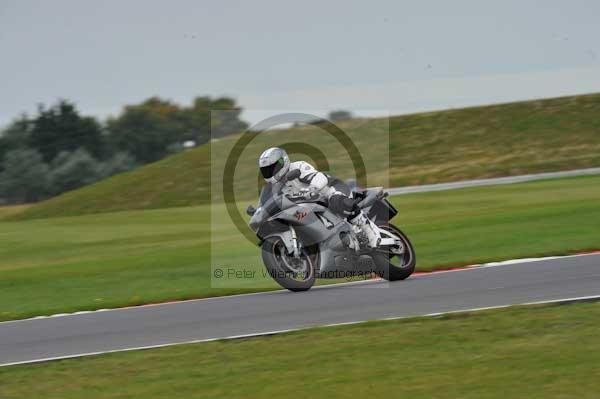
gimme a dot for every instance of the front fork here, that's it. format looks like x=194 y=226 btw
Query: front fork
x=290 y=240
x=295 y=248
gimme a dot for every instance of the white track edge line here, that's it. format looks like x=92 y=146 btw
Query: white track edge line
x=277 y=332
x=329 y=286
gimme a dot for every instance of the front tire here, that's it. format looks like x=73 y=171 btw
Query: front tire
x=393 y=266
x=294 y=274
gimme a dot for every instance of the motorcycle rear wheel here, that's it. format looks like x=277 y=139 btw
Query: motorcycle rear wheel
x=294 y=274
x=392 y=266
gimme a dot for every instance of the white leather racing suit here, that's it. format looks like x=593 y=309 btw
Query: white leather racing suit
x=310 y=179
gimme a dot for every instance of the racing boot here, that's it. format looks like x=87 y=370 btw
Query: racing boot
x=368 y=227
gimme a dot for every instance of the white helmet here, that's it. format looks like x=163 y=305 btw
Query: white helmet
x=274 y=163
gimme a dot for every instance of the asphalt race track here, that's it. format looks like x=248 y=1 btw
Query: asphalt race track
x=89 y=333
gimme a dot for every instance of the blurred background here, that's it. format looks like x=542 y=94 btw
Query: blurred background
x=92 y=90
x=117 y=118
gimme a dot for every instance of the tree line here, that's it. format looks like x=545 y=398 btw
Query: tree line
x=58 y=149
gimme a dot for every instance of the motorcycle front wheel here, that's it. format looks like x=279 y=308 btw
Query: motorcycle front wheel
x=292 y=273
x=395 y=263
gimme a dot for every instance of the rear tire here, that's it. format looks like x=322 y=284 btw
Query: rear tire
x=384 y=260
x=277 y=260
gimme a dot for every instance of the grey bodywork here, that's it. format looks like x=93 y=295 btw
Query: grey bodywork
x=312 y=223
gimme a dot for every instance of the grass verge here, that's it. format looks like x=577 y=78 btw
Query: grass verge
x=524 y=352
x=490 y=141
x=129 y=258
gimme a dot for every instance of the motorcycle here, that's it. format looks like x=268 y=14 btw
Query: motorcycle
x=302 y=240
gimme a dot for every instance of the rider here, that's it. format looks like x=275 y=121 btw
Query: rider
x=275 y=164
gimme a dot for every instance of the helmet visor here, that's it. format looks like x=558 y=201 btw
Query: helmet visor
x=271 y=170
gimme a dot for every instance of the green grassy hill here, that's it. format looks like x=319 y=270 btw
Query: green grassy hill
x=498 y=140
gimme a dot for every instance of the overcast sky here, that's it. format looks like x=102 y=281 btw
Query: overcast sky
x=370 y=56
